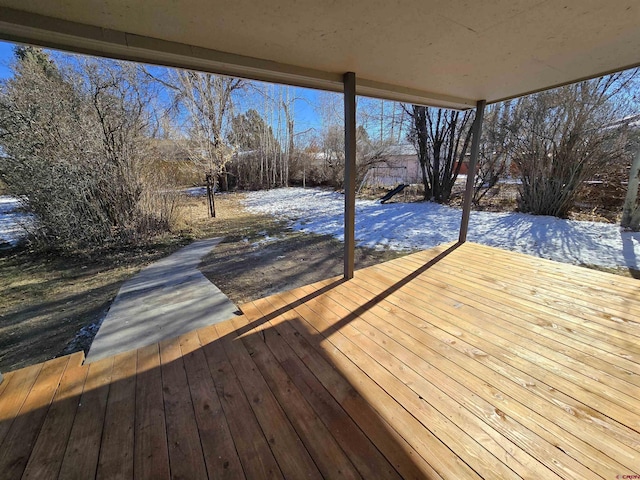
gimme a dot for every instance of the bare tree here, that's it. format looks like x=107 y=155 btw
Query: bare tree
x=369 y=153
x=385 y=119
x=288 y=106
x=265 y=136
x=279 y=132
x=442 y=139
x=253 y=141
x=118 y=100
x=631 y=210
x=206 y=102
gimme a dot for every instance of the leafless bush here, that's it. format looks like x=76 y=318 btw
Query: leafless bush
x=493 y=158
x=73 y=140
x=158 y=206
x=561 y=138
x=369 y=153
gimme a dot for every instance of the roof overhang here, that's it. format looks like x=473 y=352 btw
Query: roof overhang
x=447 y=53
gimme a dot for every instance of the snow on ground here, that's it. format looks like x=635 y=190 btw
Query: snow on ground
x=195 y=191
x=12 y=221
x=263 y=241
x=424 y=225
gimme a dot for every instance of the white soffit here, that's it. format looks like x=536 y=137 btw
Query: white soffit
x=436 y=52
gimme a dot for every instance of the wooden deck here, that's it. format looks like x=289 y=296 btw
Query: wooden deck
x=465 y=362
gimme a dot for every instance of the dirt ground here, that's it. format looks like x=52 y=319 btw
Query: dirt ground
x=46 y=300
x=261 y=256
x=50 y=305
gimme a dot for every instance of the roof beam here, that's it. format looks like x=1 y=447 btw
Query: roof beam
x=24 y=27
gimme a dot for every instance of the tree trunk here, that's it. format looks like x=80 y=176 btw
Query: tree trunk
x=210 y=192
x=425 y=181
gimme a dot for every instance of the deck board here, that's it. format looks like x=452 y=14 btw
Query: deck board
x=531 y=309
x=47 y=453
x=218 y=446
x=252 y=446
x=560 y=286
x=14 y=395
x=326 y=454
x=83 y=447
x=5 y=382
x=599 y=315
x=421 y=377
x=367 y=459
x=287 y=447
x=456 y=362
x=489 y=386
x=186 y=457
x=422 y=401
x=116 y=450
x=150 y=452
x=26 y=427
x=446 y=337
x=586 y=382
x=383 y=424
x=535 y=352
x=481 y=301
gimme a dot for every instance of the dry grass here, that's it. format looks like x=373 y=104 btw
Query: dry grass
x=232 y=220
x=45 y=300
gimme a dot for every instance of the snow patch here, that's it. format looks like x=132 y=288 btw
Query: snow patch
x=83 y=338
x=264 y=241
x=405 y=226
x=195 y=191
x=13 y=222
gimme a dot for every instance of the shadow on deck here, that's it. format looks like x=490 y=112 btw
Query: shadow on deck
x=462 y=361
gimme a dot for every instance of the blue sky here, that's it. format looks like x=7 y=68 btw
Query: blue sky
x=306 y=116
x=6 y=54
x=306 y=108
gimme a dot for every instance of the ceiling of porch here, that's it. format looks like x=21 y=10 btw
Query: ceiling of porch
x=439 y=52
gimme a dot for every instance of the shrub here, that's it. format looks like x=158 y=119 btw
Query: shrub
x=73 y=140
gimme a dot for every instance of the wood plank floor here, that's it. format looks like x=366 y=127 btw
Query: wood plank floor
x=456 y=362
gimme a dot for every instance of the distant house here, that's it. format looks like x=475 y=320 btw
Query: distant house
x=399 y=165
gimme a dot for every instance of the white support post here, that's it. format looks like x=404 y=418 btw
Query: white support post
x=471 y=170
x=349 y=173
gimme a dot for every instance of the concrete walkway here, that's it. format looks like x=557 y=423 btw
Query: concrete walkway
x=165 y=300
